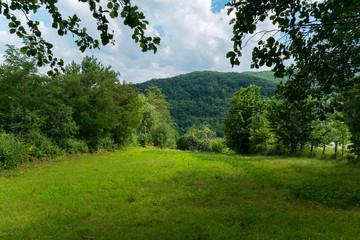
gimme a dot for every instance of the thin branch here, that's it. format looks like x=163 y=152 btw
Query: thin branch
x=264 y=32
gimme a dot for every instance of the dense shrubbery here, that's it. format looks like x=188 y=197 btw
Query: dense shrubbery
x=201 y=140
x=86 y=109
x=12 y=151
x=42 y=146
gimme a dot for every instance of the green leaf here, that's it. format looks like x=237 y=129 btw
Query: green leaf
x=23 y=49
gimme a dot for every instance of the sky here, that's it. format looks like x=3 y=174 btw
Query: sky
x=195 y=36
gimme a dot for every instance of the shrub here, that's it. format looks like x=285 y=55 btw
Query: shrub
x=163 y=136
x=74 y=146
x=42 y=147
x=197 y=139
x=218 y=145
x=351 y=158
x=12 y=151
x=107 y=144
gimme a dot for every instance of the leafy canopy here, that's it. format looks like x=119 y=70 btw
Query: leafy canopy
x=37 y=46
x=322 y=38
x=246 y=104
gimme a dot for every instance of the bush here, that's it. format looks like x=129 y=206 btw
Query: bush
x=163 y=136
x=107 y=144
x=218 y=145
x=42 y=147
x=275 y=149
x=12 y=151
x=74 y=146
x=197 y=139
x=351 y=158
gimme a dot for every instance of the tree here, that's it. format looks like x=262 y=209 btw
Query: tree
x=156 y=126
x=197 y=139
x=341 y=133
x=291 y=122
x=22 y=93
x=259 y=131
x=321 y=37
x=148 y=121
x=157 y=99
x=349 y=105
x=245 y=105
x=101 y=11
x=103 y=107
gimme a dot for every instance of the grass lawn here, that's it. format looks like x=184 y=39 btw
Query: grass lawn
x=166 y=194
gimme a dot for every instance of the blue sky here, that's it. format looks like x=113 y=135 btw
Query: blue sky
x=217 y=5
x=196 y=36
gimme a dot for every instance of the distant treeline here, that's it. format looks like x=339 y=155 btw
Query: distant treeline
x=87 y=109
x=203 y=98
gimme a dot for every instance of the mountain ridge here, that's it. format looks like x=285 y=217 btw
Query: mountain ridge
x=202 y=97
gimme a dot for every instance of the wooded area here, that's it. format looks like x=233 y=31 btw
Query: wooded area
x=203 y=98
x=87 y=109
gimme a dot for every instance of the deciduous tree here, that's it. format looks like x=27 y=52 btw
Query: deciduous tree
x=245 y=105
x=291 y=122
x=322 y=38
x=41 y=49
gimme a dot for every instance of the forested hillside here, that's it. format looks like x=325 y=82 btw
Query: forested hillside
x=203 y=97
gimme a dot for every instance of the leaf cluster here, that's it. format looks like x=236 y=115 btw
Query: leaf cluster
x=322 y=38
x=38 y=47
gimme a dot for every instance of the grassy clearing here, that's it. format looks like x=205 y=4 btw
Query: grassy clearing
x=163 y=194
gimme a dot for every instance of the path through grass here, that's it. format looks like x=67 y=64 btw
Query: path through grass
x=164 y=194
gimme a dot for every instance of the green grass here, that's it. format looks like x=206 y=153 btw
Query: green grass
x=164 y=194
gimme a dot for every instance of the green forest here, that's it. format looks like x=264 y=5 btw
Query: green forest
x=87 y=109
x=203 y=98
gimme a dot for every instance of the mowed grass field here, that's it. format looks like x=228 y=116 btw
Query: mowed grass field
x=166 y=194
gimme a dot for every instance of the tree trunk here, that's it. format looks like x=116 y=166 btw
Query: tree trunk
x=312 y=147
x=342 y=152
x=293 y=148
x=358 y=148
x=324 y=148
x=336 y=148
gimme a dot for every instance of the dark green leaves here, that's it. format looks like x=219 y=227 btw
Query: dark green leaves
x=323 y=39
x=38 y=47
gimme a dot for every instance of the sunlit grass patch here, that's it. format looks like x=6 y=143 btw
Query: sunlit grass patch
x=166 y=194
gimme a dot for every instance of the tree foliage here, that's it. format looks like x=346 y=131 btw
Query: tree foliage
x=86 y=108
x=321 y=37
x=41 y=49
x=197 y=139
x=245 y=105
x=349 y=104
x=102 y=106
x=157 y=127
x=291 y=122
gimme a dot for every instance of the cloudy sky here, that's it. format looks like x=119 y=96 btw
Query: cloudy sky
x=195 y=36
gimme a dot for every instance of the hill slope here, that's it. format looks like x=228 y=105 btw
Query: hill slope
x=203 y=97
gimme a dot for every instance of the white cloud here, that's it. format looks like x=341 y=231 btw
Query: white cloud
x=194 y=39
